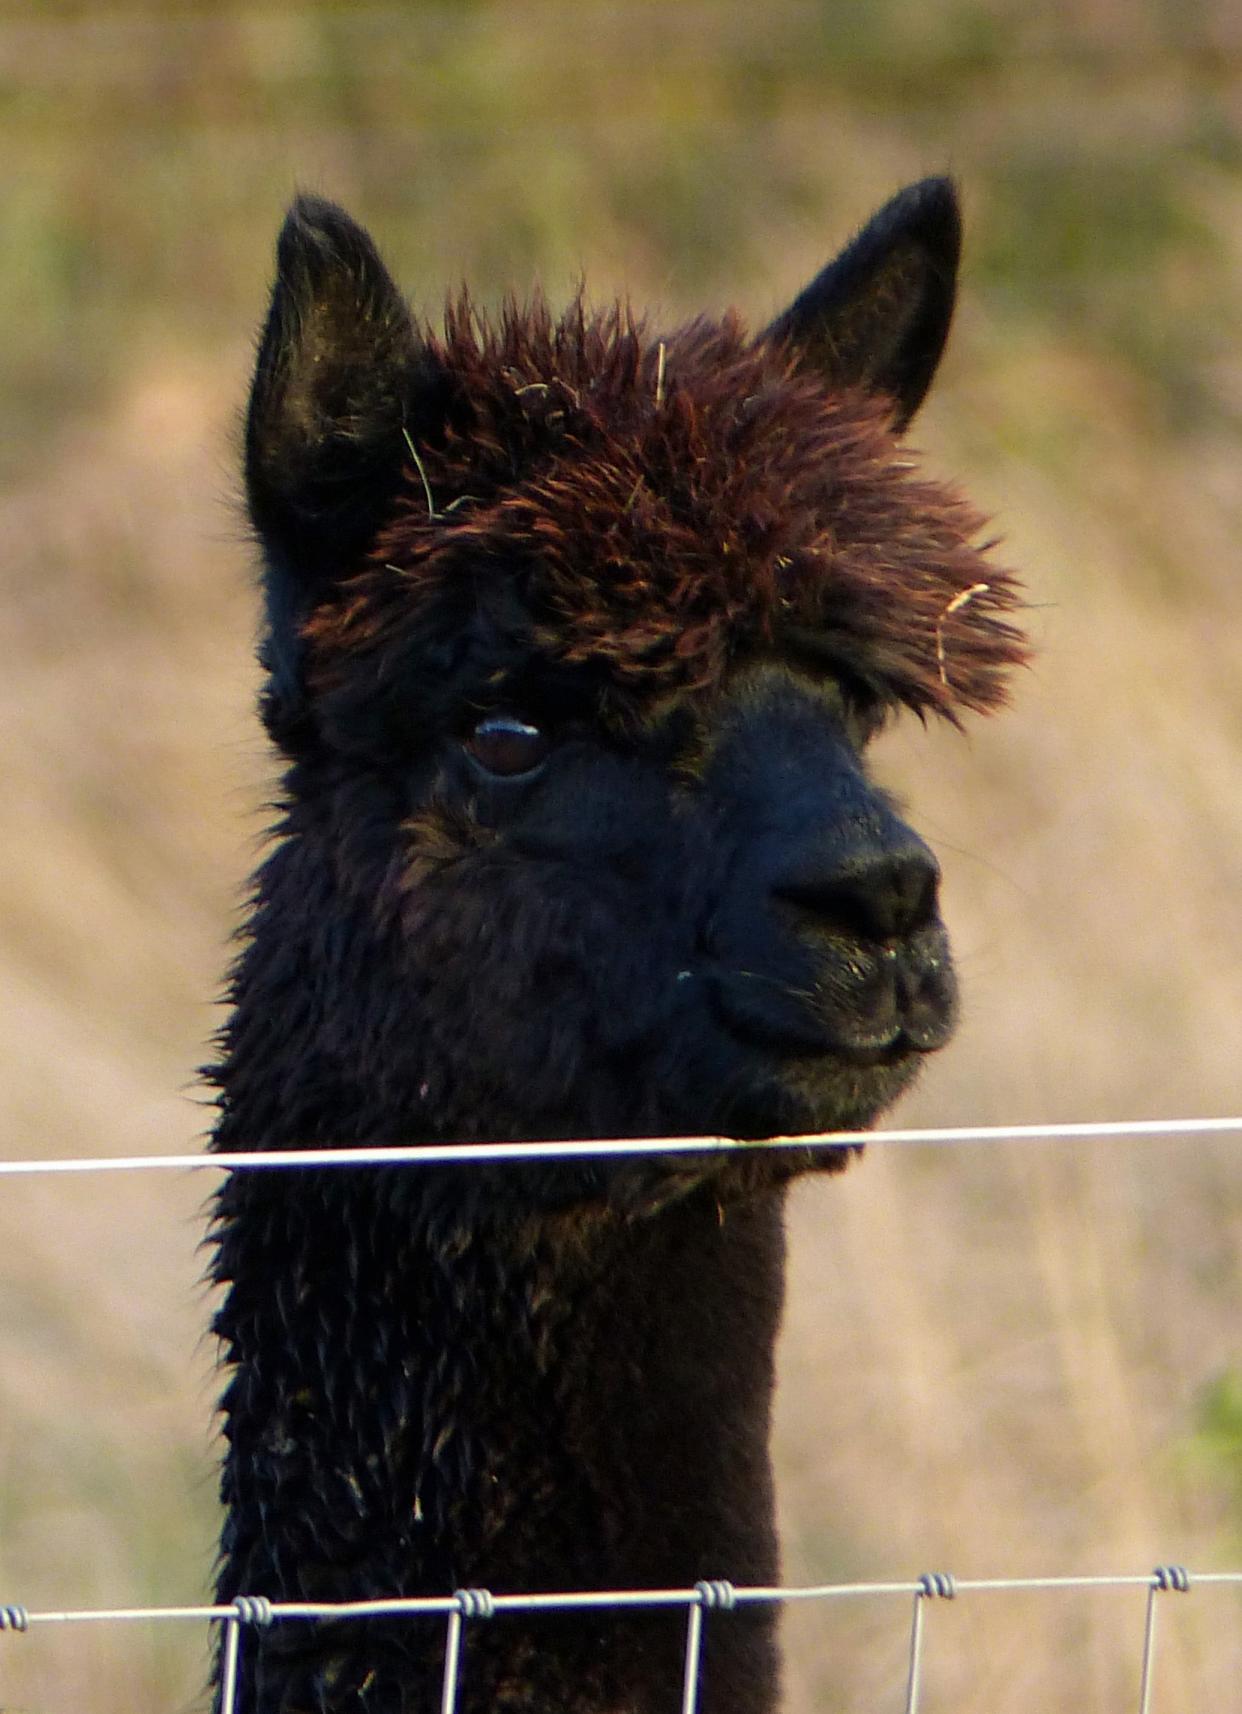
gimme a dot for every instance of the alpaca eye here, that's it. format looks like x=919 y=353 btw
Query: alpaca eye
x=507 y=747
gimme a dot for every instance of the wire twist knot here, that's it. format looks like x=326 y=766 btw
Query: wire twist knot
x=254 y=1610
x=14 y=1619
x=716 y=1593
x=475 y=1603
x=1172 y=1577
x=937 y=1583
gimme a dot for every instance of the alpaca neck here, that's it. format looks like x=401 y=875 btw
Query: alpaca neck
x=560 y=1402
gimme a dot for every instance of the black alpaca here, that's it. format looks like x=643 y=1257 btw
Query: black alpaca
x=575 y=637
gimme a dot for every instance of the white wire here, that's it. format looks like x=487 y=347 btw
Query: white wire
x=442 y=1154
x=480 y=1153
x=577 y=1599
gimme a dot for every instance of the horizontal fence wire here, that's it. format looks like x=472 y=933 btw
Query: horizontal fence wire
x=718 y=1597
x=257 y=1610
x=478 y=1154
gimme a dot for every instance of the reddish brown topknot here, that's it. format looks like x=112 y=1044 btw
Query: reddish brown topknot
x=658 y=508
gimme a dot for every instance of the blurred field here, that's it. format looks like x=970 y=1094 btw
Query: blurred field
x=1002 y=1360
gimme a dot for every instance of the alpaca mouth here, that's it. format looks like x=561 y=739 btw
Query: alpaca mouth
x=886 y=1026
x=784 y=1040
x=795 y=1072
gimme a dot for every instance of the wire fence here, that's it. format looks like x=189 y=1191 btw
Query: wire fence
x=717 y=1597
x=596 y=1148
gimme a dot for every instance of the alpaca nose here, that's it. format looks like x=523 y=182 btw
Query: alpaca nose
x=874 y=894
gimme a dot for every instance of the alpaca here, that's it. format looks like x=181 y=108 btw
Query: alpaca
x=574 y=639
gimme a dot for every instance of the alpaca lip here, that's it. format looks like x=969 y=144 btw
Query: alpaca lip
x=800 y=1035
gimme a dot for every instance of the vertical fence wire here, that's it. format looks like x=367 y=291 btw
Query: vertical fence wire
x=914 y=1676
x=229 y=1665
x=715 y=1593
x=468 y=1604
x=1149 y=1652
x=1174 y=1577
x=694 y=1639
x=452 y=1662
x=931 y=1585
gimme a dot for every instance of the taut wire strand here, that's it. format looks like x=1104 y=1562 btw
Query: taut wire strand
x=914 y=1676
x=452 y=1659
x=228 y=1670
x=716 y=1593
x=571 y=1600
x=930 y=1585
x=690 y=1677
x=465 y=1604
x=1163 y=1577
x=1149 y=1652
x=477 y=1154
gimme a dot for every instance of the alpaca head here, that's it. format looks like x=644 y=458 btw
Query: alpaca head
x=576 y=636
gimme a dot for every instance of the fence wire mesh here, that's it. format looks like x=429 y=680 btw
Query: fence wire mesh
x=717 y=1597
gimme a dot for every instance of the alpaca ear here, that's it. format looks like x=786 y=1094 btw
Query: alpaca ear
x=878 y=316
x=340 y=372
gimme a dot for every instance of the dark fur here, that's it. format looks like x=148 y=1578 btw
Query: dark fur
x=706 y=568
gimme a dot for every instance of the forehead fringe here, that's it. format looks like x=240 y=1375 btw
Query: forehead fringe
x=657 y=508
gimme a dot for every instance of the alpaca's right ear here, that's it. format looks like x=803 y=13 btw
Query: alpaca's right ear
x=340 y=370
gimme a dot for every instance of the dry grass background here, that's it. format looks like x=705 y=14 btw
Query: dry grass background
x=1001 y=1360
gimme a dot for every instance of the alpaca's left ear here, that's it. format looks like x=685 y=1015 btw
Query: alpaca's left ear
x=878 y=316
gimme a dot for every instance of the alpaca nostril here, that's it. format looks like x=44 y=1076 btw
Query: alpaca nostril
x=881 y=895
